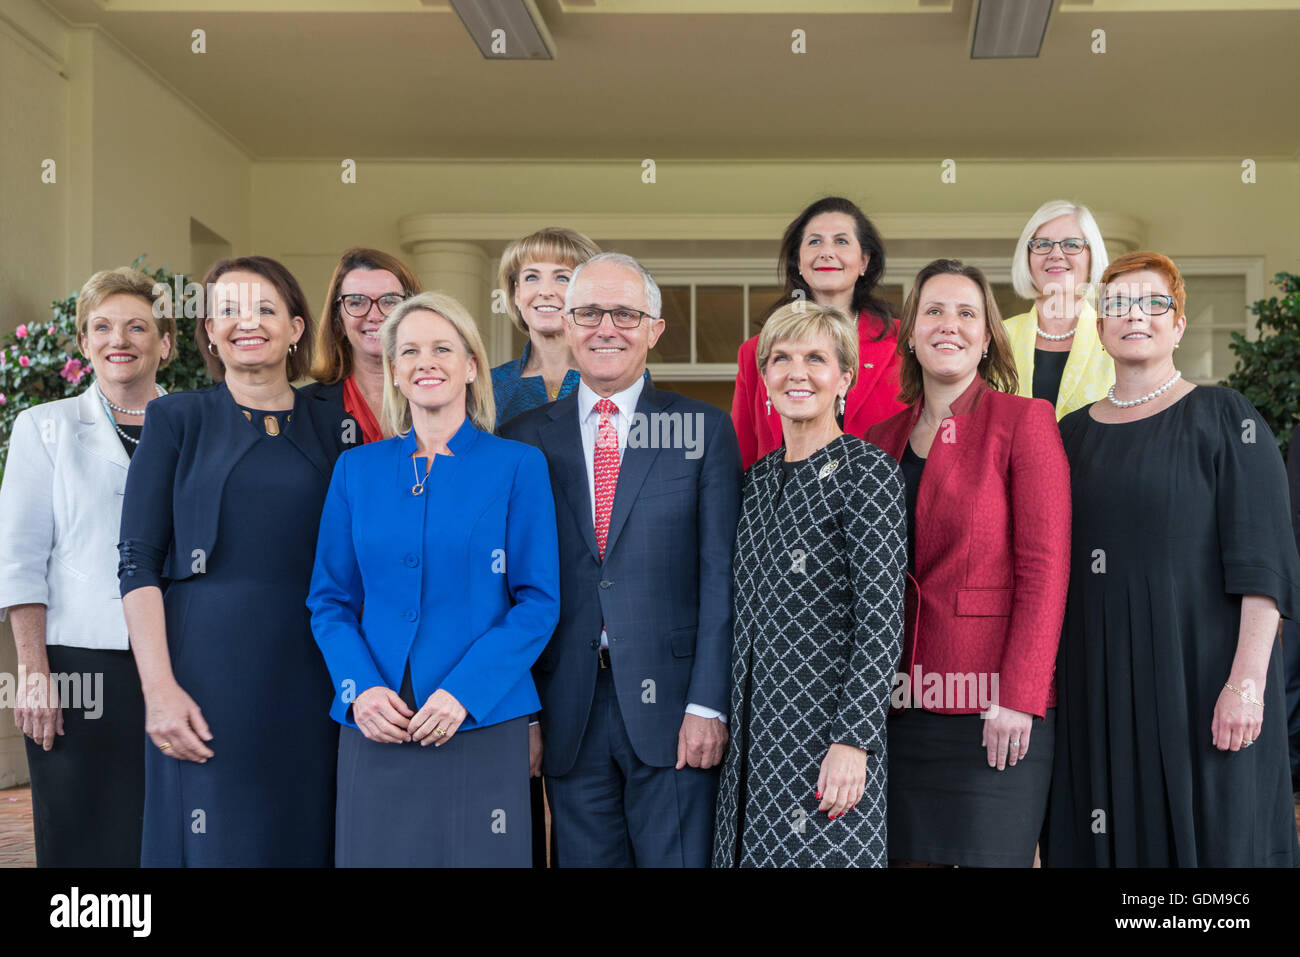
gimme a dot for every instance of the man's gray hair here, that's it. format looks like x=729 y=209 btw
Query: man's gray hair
x=654 y=300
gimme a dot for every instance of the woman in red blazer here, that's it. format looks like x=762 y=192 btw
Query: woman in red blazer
x=832 y=255
x=988 y=496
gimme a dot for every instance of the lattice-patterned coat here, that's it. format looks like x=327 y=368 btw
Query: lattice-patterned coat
x=818 y=601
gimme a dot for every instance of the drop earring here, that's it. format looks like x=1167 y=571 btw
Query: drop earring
x=841 y=405
x=769 y=405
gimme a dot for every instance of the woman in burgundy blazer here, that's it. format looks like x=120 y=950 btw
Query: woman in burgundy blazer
x=988 y=493
x=832 y=255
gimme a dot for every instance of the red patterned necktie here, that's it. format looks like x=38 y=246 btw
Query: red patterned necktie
x=605 y=467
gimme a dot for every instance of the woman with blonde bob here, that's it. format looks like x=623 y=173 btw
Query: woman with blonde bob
x=60 y=514
x=988 y=505
x=1059 y=258
x=534 y=274
x=435 y=589
x=818 y=598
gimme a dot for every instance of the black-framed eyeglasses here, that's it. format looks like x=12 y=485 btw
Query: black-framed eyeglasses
x=1153 y=304
x=1071 y=246
x=358 y=306
x=622 y=316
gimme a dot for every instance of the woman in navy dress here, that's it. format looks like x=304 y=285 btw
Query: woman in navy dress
x=436 y=587
x=219 y=526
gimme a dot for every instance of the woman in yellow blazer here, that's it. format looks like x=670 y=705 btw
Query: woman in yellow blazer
x=1058 y=355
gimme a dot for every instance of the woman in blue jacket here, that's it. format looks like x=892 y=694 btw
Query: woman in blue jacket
x=435 y=589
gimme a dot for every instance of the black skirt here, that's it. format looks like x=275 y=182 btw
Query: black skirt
x=947 y=806
x=88 y=790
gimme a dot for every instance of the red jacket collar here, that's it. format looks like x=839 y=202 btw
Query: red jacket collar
x=893 y=434
x=964 y=404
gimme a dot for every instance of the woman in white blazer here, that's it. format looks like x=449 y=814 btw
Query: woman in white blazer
x=79 y=702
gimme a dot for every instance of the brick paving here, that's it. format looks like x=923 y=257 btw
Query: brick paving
x=17 y=847
x=16 y=843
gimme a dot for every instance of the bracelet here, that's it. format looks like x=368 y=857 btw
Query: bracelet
x=1249 y=697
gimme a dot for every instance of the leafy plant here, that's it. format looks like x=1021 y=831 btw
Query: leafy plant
x=1268 y=369
x=40 y=360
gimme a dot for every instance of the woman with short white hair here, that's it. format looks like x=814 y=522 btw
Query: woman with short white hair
x=1059 y=258
x=60 y=512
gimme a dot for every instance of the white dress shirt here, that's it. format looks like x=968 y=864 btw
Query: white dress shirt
x=589 y=423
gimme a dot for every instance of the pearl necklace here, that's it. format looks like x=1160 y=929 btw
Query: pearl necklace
x=109 y=407
x=1051 y=338
x=1110 y=393
x=118 y=408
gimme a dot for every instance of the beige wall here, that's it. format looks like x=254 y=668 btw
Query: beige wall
x=304 y=213
x=134 y=164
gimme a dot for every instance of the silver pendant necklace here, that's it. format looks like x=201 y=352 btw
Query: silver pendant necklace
x=418 y=487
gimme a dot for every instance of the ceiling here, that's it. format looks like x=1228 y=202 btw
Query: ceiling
x=317 y=79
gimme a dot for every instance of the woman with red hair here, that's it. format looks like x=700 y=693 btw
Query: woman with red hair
x=1182 y=558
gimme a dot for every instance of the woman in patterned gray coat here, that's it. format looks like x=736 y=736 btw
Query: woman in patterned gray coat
x=821 y=551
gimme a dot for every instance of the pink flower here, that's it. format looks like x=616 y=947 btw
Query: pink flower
x=21 y=331
x=24 y=361
x=3 y=400
x=73 y=370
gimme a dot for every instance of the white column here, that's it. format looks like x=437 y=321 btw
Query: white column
x=463 y=270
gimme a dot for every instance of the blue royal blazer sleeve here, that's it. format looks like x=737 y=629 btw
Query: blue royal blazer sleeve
x=506 y=651
x=336 y=596
x=461 y=582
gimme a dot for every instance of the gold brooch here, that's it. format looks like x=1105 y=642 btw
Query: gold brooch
x=828 y=468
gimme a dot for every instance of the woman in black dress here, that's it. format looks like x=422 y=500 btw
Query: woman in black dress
x=1182 y=559
x=819 y=564
x=219 y=524
x=60 y=512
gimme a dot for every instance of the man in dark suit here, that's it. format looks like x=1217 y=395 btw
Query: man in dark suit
x=635 y=682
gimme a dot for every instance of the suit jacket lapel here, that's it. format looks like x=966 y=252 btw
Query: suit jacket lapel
x=95 y=432
x=561 y=440
x=311 y=437
x=634 y=468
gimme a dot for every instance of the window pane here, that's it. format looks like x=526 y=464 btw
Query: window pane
x=761 y=299
x=719 y=322
x=675 y=343
x=1216 y=307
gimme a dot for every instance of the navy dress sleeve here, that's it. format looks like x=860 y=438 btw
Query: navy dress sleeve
x=146 y=534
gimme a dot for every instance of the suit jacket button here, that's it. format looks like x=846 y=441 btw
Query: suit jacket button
x=410 y=561
x=409 y=615
x=595 y=643
x=605 y=583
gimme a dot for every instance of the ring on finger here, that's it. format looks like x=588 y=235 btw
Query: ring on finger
x=440 y=731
